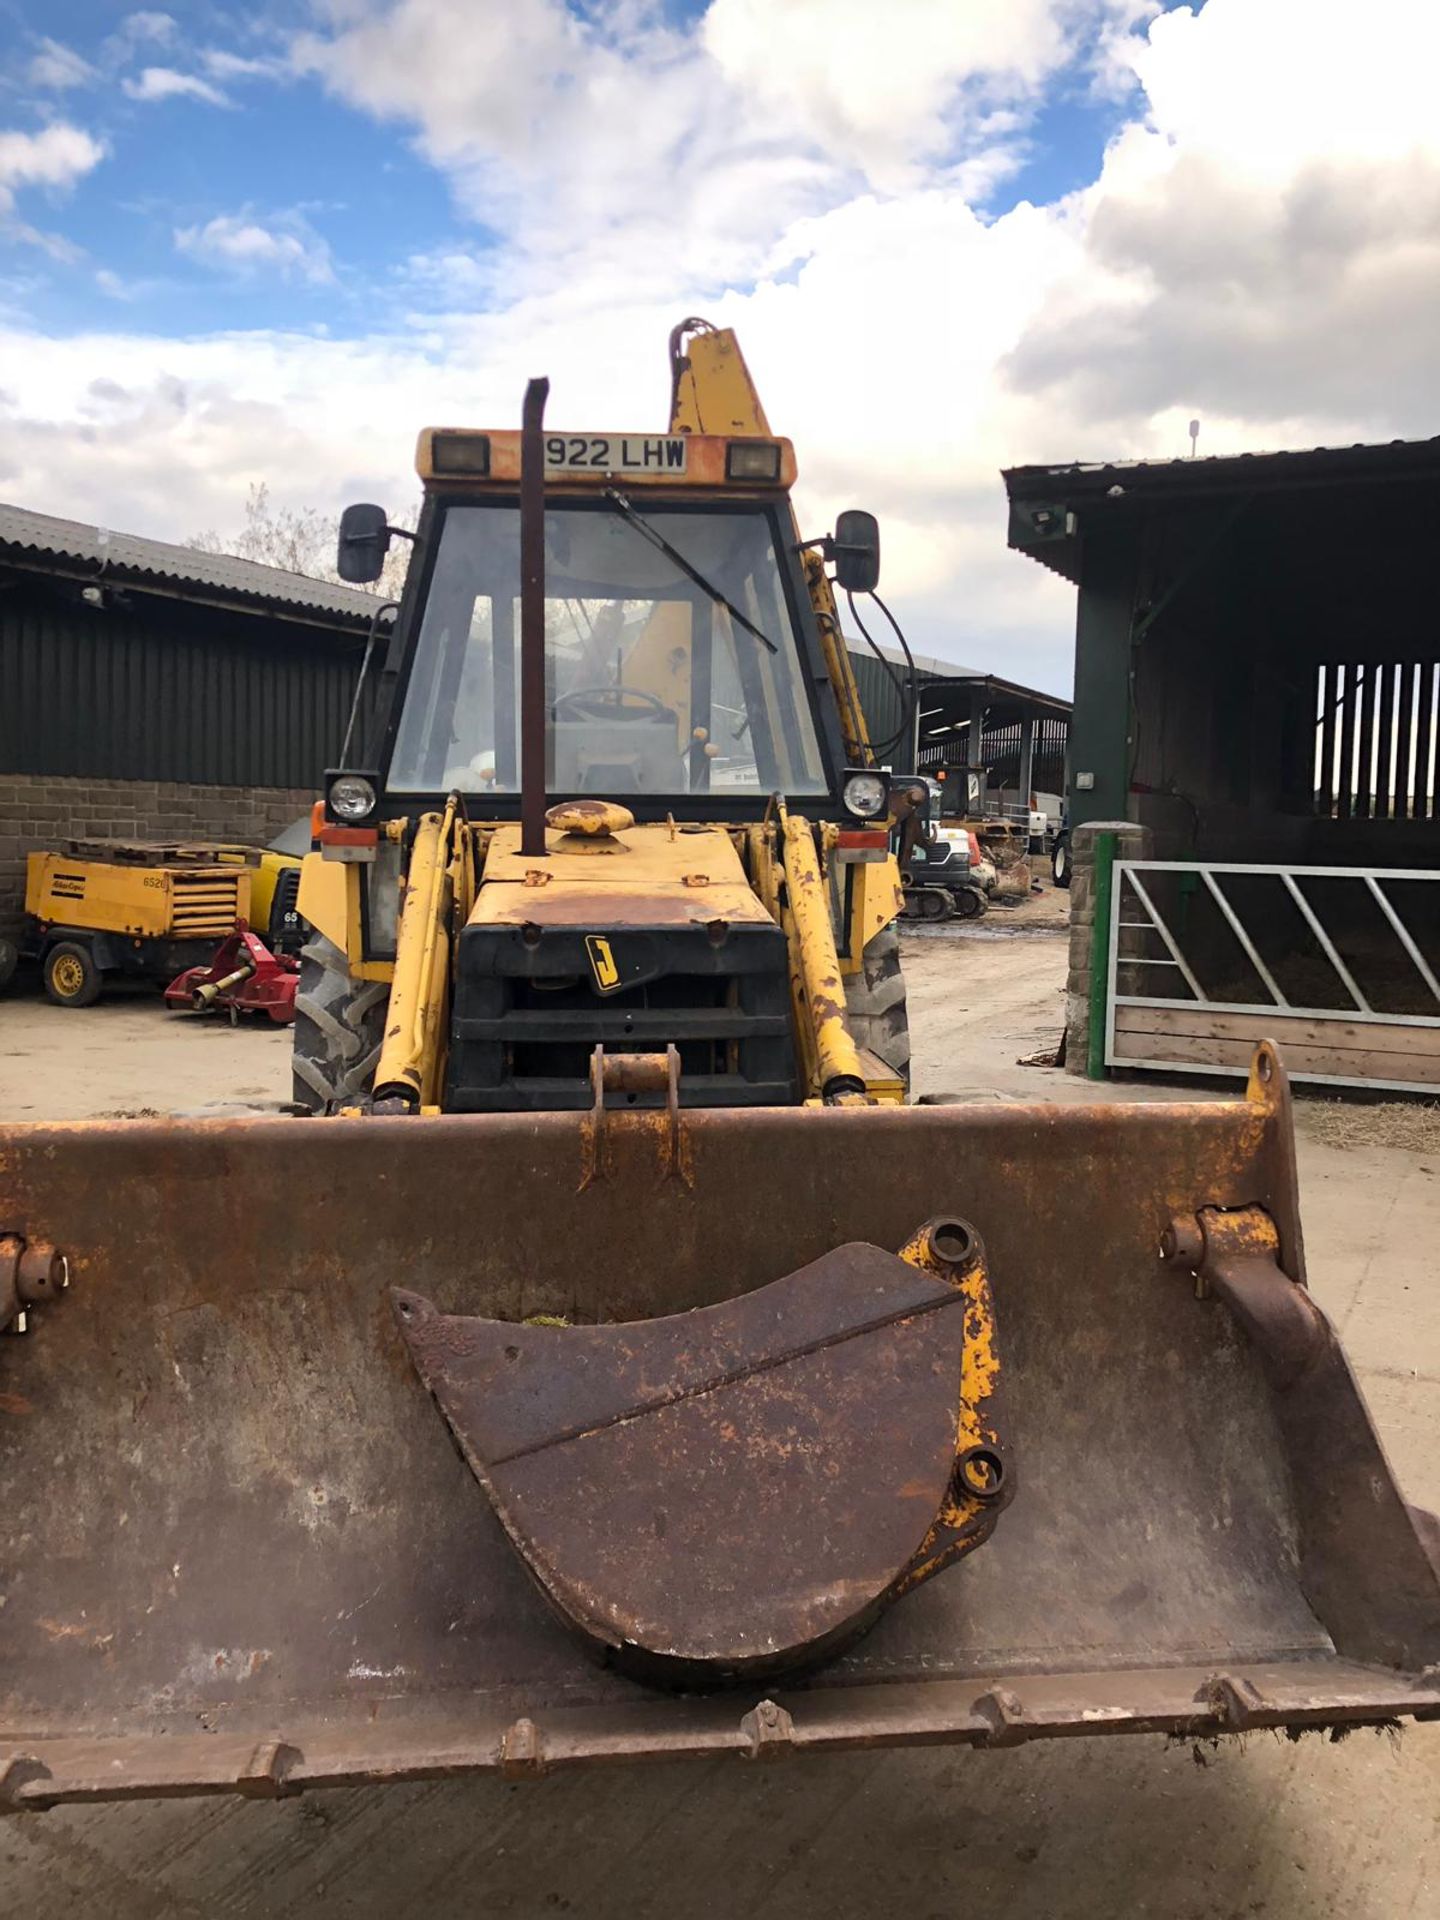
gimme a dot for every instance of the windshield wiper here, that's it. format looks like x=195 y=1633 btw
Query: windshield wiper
x=657 y=539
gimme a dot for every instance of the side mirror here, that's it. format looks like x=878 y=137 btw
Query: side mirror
x=364 y=543
x=856 y=551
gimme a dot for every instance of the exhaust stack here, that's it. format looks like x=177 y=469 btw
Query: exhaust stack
x=532 y=622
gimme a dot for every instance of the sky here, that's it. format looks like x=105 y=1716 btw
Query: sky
x=268 y=243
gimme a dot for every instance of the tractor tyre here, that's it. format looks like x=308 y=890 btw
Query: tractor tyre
x=339 y=1028
x=875 y=1003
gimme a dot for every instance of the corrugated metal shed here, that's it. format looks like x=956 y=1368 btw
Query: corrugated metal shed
x=188 y=667
x=117 y=695
x=952 y=698
x=100 y=553
x=879 y=697
x=1052 y=506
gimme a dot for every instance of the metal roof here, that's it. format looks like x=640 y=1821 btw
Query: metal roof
x=51 y=545
x=988 y=690
x=1059 y=493
x=925 y=663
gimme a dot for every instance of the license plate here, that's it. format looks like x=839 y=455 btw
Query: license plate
x=614 y=453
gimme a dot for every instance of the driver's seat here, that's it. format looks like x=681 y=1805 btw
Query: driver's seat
x=619 y=756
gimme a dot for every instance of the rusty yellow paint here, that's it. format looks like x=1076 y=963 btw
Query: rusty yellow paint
x=979 y=1375
x=1262 y=1086
x=853 y=730
x=1246 y=1233
x=765 y=877
x=705 y=458
x=592 y=818
x=656 y=874
x=837 y=1060
x=761 y=865
x=412 y=1057
x=645 y=876
x=323 y=898
x=329 y=899
x=876 y=898
x=714 y=392
x=883 y=1085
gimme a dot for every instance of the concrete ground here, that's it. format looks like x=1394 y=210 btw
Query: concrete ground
x=1060 y=1831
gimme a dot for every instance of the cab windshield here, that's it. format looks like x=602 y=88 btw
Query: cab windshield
x=651 y=685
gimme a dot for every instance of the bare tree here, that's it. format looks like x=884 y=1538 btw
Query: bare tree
x=301 y=540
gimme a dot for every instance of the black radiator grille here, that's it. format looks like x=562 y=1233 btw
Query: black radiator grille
x=527 y=1017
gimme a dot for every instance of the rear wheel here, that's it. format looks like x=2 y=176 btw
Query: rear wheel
x=1060 y=862
x=875 y=1003
x=339 y=1027
x=71 y=976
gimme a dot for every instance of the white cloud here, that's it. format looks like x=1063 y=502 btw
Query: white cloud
x=642 y=151
x=57 y=67
x=246 y=246
x=166 y=83
x=828 y=67
x=1261 y=247
x=1265 y=248
x=149 y=25
x=54 y=158
x=221 y=64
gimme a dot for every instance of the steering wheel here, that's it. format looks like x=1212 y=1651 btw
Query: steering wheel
x=610 y=703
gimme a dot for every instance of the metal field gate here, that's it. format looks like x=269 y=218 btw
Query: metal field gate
x=1339 y=965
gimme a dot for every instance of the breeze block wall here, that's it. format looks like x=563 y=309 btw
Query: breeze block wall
x=39 y=811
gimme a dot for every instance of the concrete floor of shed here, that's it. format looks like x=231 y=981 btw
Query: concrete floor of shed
x=1059 y=1831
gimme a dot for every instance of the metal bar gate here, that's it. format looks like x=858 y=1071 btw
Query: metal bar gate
x=1339 y=965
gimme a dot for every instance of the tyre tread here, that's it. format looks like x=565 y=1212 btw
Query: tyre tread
x=338 y=1031
x=875 y=1003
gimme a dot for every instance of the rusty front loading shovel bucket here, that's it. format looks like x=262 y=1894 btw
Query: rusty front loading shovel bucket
x=235 y=1518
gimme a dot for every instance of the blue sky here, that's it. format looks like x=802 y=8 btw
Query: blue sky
x=278 y=151
x=267 y=243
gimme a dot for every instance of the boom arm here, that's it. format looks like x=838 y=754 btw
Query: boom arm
x=711 y=391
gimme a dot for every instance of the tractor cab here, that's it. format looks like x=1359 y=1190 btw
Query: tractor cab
x=614 y=728
x=684 y=668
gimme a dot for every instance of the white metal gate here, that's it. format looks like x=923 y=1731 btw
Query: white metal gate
x=1339 y=965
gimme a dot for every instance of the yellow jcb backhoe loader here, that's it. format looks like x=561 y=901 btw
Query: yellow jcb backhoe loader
x=784 y=1415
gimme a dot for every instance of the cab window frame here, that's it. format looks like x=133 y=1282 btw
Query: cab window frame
x=812 y=676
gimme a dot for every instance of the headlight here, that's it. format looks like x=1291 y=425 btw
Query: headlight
x=752 y=460
x=460 y=453
x=351 y=797
x=865 y=794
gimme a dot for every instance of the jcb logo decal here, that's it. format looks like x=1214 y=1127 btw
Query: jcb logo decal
x=602 y=962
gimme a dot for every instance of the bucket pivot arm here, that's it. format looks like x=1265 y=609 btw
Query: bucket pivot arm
x=1368 y=1561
